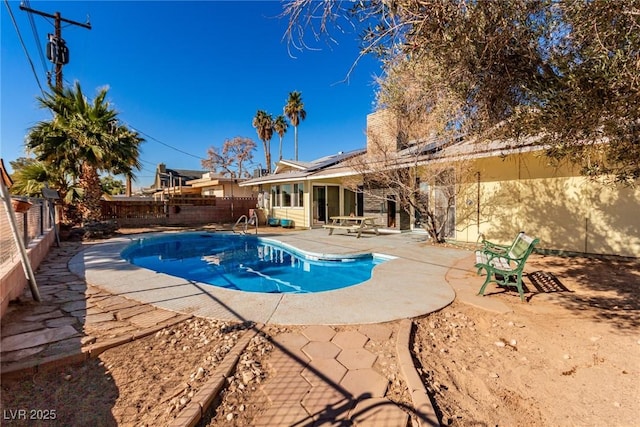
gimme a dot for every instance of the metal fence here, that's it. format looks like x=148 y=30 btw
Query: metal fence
x=31 y=225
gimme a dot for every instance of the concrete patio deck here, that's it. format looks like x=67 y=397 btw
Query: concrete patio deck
x=411 y=285
x=93 y=301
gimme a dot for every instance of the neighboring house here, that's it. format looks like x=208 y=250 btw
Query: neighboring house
x=211 y=184
x=174 y=179
x=511 y=187
x=193 y=182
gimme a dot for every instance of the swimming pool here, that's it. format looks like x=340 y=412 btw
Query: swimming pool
x=248 y=263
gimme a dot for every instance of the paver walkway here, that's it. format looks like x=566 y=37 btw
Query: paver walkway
x=326 y=377
x=74 y=320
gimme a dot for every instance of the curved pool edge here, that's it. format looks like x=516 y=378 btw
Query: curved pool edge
x=400 y=288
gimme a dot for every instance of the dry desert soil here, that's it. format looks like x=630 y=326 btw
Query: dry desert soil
x=569 y=356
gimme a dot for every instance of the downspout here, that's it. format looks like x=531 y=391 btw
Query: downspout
x=586 y=234
x=478 y=202
x=520 y=226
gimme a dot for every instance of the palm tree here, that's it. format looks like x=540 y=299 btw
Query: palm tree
x=280 y=126
x=294 y=110
x=29 y=176
x=128 y=157
x=83 y=139
x=263 y=122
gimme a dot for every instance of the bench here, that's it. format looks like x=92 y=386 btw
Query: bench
x=357 y=224
x=504 y=262
x=497 y=248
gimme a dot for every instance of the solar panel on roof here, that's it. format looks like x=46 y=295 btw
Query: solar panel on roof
x=324 y=162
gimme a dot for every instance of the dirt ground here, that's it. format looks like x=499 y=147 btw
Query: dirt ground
x=145 y=382
x=568 y=356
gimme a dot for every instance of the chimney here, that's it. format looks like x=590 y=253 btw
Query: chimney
x=382 y=132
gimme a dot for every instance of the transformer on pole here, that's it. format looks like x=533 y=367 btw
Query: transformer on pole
x=57 y=50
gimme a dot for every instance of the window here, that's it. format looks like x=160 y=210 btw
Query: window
x=287 y=195
x=298 y=194
x=275 y=196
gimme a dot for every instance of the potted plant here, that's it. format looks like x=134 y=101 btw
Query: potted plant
x=274 y=222
x=20 y=205
x=286 y=223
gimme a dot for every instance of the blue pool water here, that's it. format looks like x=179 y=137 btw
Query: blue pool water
x=247 y=263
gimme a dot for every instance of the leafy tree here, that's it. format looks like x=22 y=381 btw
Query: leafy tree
x=280 y=126
x=595 y=95
x=232 y=158
x=294 y=110
x=263 y=122
x=110 y=185
x=82 y=139
x=567 y=72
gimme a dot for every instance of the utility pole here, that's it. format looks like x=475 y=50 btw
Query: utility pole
x=56 y=48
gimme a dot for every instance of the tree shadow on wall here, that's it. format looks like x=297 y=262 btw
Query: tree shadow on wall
x=565 y=218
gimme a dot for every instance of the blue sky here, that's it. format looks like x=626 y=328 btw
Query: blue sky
x=189 y=75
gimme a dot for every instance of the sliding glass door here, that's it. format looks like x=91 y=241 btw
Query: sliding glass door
x=326 y=203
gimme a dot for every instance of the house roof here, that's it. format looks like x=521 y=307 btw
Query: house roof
x=474 y=149
x=186 y=173
x=289 y=175
x=334 y=166
x=293 y=164
x=209 y=179
x=290 y=170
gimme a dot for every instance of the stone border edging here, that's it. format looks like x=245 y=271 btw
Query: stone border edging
x=19 y=370
x=200 y=403
x=426 y=415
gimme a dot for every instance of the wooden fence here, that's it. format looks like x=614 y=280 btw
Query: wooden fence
x=180 y=210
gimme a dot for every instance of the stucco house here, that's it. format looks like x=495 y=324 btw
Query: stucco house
x=510 y=186
x=212 y=184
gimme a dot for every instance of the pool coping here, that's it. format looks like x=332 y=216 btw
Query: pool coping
x=405 y=287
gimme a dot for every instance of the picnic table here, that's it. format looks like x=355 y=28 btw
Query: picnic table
x=357 y=224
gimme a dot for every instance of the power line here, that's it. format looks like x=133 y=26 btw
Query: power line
x=147 y=170
x=42 y=57
x=148 y=162
x=24 y=47
x=60 y=54
x=164 y=143
x=36 y=37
